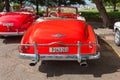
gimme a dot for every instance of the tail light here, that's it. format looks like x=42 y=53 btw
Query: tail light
x=91 y=45
x=23 y=48
x=94 y=46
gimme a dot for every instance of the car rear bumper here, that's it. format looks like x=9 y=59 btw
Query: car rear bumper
x=76 y=57
x=11 y=33
x=59 y=56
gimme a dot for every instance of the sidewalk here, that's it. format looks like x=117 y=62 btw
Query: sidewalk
x=108 y=36
x=105 y=33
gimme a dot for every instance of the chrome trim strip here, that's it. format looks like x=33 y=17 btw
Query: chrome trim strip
x=59 y=57
x=77 y=57
x=36 y=52
x=57 y=43
x=79 y=50
x=11 y=33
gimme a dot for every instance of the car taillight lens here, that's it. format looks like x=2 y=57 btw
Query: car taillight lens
x=23 y=48
x=94 y=46
x=91 y=45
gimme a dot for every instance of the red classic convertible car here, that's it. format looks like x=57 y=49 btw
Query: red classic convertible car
x=16 y=23
x=64 y=12
x=60 y=38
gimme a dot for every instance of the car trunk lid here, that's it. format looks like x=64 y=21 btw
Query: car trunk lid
x=59 y=37
x=11 y=21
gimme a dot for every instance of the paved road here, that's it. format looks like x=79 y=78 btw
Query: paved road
x=14 y=68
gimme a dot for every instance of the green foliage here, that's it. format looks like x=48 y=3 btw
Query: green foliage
x=93 y=13
x=118 y=4
x=90 y=14
x=1 y=1
x=1 y=5
x=114 y=14
x=111 y=2
x=41 y=13
x=16 y=6
x=59 y=2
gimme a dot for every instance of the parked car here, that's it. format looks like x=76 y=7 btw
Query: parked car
x=64 y=12
x=16 y=23
x=117 y=33
x=60 y=38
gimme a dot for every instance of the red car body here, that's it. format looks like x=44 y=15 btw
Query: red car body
x=59 y=39
x=16 y=23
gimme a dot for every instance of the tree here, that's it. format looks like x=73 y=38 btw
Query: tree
x=60 y=2
x=2 y=5
x=37 y=9
x=103 y=13
x=7 y=5
x=56 y=2
x=21 y=2
x=112 y=2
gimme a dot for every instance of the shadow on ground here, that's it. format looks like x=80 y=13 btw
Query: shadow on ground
x=11 y=39
x=96 y=25
x=108 y=63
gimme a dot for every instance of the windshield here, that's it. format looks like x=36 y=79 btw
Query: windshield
x=28 y=8
x=62 y=10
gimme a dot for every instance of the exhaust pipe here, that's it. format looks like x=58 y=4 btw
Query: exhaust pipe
x=33 y=63
x=84 y=64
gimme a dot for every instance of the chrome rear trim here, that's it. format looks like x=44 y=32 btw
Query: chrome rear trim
x=36 y=56
x=11 y=33
x=59 y=56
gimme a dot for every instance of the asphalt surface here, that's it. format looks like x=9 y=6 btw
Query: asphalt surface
x=105 y=68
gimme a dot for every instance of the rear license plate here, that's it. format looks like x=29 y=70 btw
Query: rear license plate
x=58 y=49
x=8 y=24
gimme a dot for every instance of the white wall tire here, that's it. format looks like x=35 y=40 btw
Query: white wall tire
x=117 y=38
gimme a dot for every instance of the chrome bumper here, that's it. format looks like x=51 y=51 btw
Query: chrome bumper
x=11 y=33
x=59 y=57
x=78 y=56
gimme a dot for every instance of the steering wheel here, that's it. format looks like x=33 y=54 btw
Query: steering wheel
x=52 y=14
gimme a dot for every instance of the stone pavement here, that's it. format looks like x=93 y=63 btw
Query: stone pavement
x=105 y=33
x=108 y=36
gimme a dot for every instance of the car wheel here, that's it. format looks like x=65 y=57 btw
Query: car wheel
x=117 y=38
